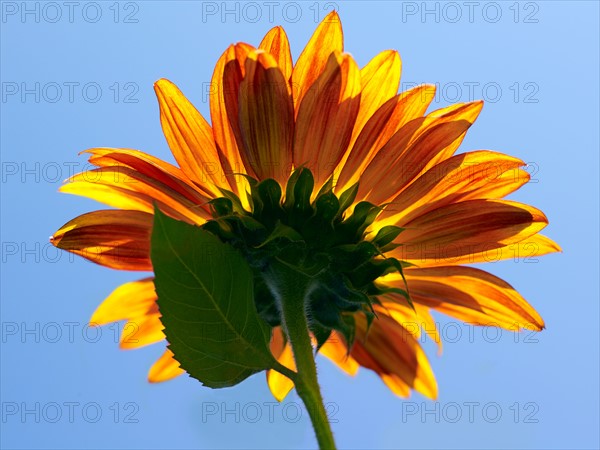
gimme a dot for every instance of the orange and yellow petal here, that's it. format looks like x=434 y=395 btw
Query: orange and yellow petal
x=414 y=148
x=279 y=384
x=404 y=157
x=118 y=239
x=336 y=350
x=131 y=299
x=266 y=118
x=474 y=175
x=165 y=368
x=190 y=138
x=277 y=44
x=326 y=117
x=136 y=303
x=461 y=111
x=312 y=62
x=380 y=80
x=142 y=330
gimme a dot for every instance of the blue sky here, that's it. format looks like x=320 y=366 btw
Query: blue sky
x=80 y=75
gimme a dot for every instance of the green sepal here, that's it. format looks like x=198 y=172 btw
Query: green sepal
x=221 y=206
x=351 y=257
x=370 y=316
x=237 y=204
x=352 y=229
x=348 y=330
x=321 y=334
x=399 y=268
x=210 y=321
x=297 y=196
x=347 y=198
x=319 y=228
x=269 y=192
x=221 y=228
x=386 y=235
x=282 y=231
x=327 y=187
x=368 y=272
x=389 y=247
x=327 y=206
x=378 y=289
x=250 y=223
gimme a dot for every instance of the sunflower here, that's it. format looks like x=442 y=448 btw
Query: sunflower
x=408 y=211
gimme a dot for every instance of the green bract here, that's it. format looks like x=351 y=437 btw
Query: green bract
x=316 y=238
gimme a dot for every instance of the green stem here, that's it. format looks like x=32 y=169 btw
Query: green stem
x=292 y=287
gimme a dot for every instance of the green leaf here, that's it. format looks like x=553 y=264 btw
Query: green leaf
x=205 y=296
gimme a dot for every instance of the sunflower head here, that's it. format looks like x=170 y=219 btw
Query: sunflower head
x=322 y=168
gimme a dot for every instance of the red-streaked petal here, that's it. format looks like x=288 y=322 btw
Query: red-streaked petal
x=266 y=118
x=416 y=321
x=381 y=126
x=277 y=44
x=150 y=166
x=392 y=351
x=464 y=228
x=460 y=111
x=526 y=250
x=190 y=138
x=471 y=295
x=165 y=368
x=327 y=38
x=414 y=148
x=113 y=238
x=412 y=158
x=468 y=176
x=326 y=118
x=125 y=188
x=223 y=102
